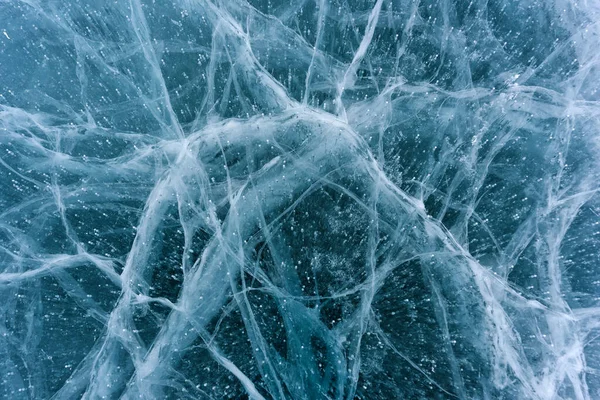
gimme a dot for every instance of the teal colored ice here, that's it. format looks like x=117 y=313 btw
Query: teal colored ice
x=300 y=199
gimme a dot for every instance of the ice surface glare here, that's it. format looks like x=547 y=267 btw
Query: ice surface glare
x=299 y=199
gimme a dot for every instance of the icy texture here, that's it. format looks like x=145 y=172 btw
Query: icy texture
x=390 y=199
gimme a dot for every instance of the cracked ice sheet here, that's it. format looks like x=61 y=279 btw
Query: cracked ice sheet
x=299 y=200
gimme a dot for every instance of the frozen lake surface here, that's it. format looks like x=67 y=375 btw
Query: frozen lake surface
x=300 y=199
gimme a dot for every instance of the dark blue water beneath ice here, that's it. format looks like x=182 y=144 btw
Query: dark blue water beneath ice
x=330 y=199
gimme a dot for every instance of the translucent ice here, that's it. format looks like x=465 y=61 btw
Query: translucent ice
x=330 y=199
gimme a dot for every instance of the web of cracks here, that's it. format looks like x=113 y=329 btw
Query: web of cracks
x=351 y=232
